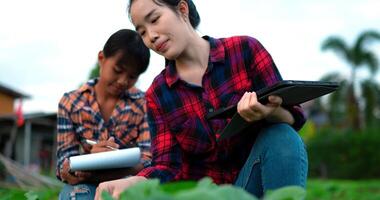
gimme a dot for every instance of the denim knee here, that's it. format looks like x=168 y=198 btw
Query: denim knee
x=78 y=192
x=284 y=154
x=280 y=139
x=278 y=158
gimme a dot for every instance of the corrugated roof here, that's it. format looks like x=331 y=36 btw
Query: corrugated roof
x=11 y=92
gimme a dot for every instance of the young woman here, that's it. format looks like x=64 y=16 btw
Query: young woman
x=203 y=74
x=109 y=110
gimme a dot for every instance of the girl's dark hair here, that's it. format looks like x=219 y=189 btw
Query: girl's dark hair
x=134 y=51
x=172 y=4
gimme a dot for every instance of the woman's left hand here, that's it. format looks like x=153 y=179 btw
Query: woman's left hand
x=116 y=187
x=250 y=109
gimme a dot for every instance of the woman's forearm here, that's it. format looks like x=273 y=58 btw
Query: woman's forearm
x=281 y=115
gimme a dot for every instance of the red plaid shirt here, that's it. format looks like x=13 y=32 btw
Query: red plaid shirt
x=184 y=143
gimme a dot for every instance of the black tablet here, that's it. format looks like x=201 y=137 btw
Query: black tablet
x=297 y=92
x=292 y=93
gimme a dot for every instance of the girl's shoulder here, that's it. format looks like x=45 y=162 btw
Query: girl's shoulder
x=78 y=97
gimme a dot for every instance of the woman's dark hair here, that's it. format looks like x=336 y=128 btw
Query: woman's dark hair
x=172 y=4
x=134 y=51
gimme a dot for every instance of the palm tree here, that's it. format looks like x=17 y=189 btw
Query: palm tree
x=357 y=56
x=371 y=92
x=335 y=110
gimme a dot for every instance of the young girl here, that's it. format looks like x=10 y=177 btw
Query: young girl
x=203 y=74
x=109 y=110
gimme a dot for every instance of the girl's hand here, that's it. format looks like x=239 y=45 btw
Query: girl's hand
x=72 y=178
x=250 y=109
x=103 y=146
x=114 y=188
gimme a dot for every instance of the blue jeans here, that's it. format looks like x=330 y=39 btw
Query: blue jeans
x=278 y=158
x=78 y=192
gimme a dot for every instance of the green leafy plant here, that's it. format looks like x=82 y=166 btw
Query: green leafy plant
x=42 y=194
x=201 y=190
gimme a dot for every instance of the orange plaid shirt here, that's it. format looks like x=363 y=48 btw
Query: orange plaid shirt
x=79 y=118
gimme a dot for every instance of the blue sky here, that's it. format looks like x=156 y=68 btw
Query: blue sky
x=48 y=47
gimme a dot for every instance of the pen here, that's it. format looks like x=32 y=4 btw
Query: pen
x=91 y=142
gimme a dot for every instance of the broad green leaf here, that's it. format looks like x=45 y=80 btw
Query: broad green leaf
x=175 y=187
x=106 y=196
x=31 y=195
x=286 y=193
x=206 y=190
x=145 y=190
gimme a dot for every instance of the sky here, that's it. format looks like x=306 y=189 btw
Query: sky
x=48 y=47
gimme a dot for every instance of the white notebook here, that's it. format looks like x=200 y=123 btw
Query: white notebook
x=106 y=160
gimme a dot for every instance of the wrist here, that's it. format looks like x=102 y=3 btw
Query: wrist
x=281 y=115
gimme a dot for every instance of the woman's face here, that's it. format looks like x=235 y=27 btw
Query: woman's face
x=162 y=30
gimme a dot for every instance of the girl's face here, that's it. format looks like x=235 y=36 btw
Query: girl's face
x=115 y=77
x=162 y=30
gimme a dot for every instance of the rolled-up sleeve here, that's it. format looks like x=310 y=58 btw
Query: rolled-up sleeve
x=67 y=144
x=265 y=73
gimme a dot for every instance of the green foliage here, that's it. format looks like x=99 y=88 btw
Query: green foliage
x=316 y=190
x=6 y=194
x=371 y=91
x=343 y=189
x=17 y=193
x=42 y=194
x=344 y=154
x=202 y=190
x=290 y=192
x=308 y=131
x=94 y=72
x=336 y=103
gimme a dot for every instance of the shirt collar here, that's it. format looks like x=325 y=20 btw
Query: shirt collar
x=132 y=93
x=217 y=54
x=217 y=51
x=89 y=86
